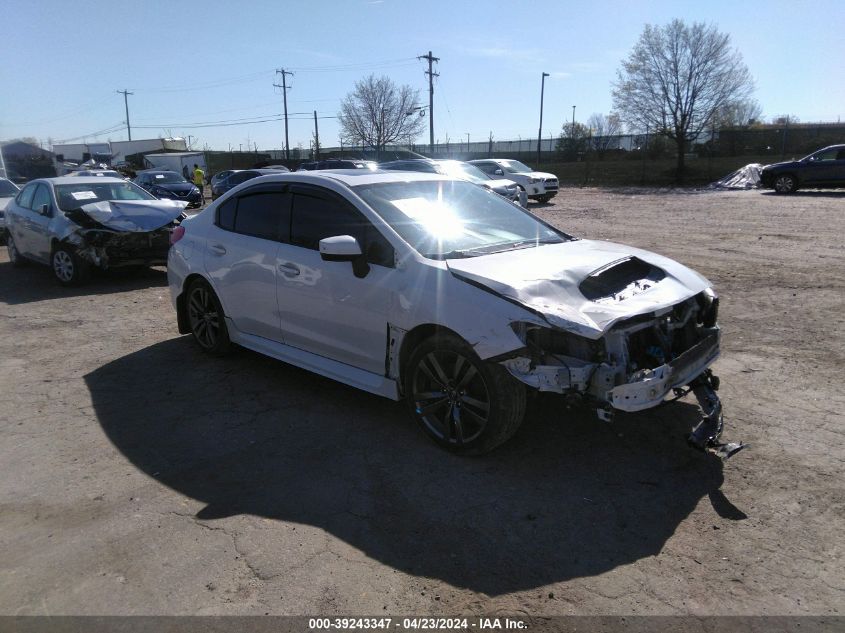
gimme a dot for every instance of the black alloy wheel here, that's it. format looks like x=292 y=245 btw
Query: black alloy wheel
x=206 y=318
x=462 y=403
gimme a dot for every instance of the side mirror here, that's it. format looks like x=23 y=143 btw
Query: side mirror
x=44 y=209
x=344 y=248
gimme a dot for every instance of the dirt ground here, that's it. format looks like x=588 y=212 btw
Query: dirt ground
x=139 y=476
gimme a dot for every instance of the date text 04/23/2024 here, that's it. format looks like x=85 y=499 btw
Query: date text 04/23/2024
x=416 y=623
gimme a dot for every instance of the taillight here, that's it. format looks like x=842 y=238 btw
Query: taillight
x=177 y=234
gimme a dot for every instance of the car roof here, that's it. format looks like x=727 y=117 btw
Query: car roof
x=158 y=171
x=79 y=180
x=353 y=177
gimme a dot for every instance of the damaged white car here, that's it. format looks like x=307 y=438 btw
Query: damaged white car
x=73 y=223
x=439 y=292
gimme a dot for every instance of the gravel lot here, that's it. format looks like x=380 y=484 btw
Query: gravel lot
x=141 y=477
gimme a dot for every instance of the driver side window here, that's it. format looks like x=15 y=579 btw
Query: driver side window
x=24 y=198
x=315 y=216
x=40 y=198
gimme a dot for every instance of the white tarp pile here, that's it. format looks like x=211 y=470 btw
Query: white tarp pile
x=747 y=177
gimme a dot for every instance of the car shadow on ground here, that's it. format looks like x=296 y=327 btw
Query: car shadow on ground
x=34 y=282
x=568 y=497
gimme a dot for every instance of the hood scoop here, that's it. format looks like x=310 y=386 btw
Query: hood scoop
x=620 y=280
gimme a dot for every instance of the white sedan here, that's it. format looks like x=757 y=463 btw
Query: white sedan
x=436 y=291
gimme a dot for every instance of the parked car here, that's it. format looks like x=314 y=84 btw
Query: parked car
x=821 y=170
x=237 y=177
x=169 y=185
x=8 y=190
x=337 y=163
x=460 y=169
x=74 y=223
x=110 y=173
x=433 y=290
x=220 y=175
x=539 y=185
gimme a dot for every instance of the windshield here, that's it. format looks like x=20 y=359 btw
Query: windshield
x=7 y=188
x=515 y=167
x=457 y=169
x=452 y=218
x=166 y=177
x=74 y=196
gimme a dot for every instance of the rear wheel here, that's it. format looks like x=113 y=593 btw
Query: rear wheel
x=785 y=183
x=462 y=403
x=68 y=268
x=206 y=318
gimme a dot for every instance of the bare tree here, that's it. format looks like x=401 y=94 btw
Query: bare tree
x=677 y=78
x=378 y=112
x=605 y=132
x=785 y=119
x=741 y=113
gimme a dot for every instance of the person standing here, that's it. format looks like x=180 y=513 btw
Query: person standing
x=199 y=180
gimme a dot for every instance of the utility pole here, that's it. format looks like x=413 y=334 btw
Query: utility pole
x=431 y=75
x=316 y=138
x=284 y=73
x=540 y=133
x=125 y=94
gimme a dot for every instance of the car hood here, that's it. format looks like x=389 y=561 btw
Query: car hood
x=4 y=202
x=134 y=216
x=789 y=163
x=500 y=183
x=546 y=280
x=542 y=174
x=180 y=187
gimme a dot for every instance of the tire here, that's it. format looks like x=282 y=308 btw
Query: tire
x=15 y=258
x=465 y=405
x=786 y=183
x=544 y=199
x=68 y=269
x=206 y=319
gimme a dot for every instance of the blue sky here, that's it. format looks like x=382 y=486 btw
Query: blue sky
x=210 y=61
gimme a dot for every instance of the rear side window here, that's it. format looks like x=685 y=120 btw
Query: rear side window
x=24 y=198
x=265 y=215
x=226 y=214
x=315 y=217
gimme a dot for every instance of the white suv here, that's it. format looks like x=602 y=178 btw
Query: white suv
x=539 y=185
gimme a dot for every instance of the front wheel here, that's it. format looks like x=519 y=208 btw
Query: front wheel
x=68 y=268
x=15 y=257
x=544 y=198
x=462 y=403
x=785 y=184
x=206 y=318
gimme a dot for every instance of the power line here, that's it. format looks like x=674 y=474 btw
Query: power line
x=113 y=128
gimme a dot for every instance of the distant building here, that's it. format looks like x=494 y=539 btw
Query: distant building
x=24 y=161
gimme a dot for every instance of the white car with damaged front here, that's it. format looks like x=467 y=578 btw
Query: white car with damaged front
x=436 y=291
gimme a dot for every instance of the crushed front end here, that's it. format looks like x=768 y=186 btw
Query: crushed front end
x=108 y=240
x=636 y=364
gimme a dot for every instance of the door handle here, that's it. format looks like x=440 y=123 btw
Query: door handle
x=218 y=249
x=289 y=270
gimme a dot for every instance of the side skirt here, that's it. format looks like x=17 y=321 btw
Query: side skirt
x=341 y=372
